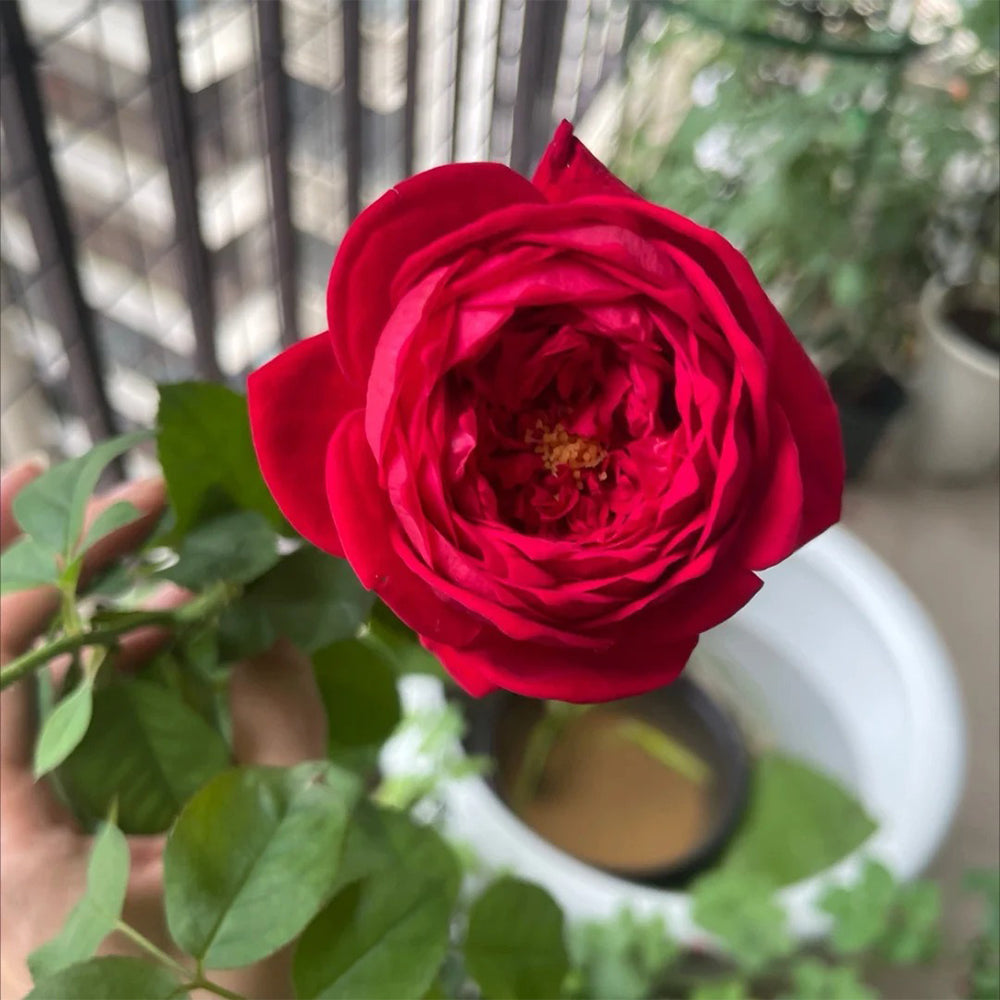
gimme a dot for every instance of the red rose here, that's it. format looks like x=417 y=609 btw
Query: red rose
x=556 y=428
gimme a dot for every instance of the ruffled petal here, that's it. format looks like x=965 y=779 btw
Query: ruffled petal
x=366 y=524
x=296 y=401
x=568 y=170
x=405 y=219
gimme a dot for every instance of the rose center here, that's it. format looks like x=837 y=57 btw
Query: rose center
x=559 y=448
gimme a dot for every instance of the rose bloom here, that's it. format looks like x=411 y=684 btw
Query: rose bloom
x=556 y=428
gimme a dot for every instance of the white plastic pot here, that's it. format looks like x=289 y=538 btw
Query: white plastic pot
x=956 y=394
x=843 y=666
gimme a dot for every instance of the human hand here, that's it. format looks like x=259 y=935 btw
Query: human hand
x=278 y=719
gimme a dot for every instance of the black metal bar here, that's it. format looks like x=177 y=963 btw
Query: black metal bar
x=459 y=72
x=274 y=84
x=541 y=39
x=410 y=110
x=173 y=119
x=23 y=117
x=351 y=21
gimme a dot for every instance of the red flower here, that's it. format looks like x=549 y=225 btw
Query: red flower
x=556 y=428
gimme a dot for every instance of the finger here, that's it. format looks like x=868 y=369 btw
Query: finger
x=11 y=483
x=148 y=496
x=138 y=646
x=278 y=717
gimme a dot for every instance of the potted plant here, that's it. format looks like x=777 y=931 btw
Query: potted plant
x=819 y=141
x=956 y=432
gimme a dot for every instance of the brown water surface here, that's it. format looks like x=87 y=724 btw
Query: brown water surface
x=602 y=798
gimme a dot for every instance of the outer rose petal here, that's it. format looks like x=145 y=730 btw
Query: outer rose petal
x=366 y=523
x=569 y=170
x=405 y=219
x=296 y=401
x=561 y=673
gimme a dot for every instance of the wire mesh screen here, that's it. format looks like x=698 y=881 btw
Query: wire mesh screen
x=177 y=174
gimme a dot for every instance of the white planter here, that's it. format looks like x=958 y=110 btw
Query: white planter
x=956 y=393
x=846 y=670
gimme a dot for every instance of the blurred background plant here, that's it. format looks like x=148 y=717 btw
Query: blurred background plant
x=848 y=147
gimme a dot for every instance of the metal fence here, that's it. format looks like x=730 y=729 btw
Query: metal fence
x=176 y=174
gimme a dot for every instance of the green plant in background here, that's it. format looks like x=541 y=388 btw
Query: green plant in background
x=847 y=154
x=368 y=897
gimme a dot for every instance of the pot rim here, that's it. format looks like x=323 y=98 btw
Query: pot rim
x=933 y=299
x=905 y=843
x=734 y=789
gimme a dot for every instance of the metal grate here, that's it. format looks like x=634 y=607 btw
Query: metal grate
x=176 y=175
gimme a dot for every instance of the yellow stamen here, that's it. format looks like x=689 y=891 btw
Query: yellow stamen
x=558 y=447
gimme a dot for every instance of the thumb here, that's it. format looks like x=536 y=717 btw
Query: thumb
x=278 y=716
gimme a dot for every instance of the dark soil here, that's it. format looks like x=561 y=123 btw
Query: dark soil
x=981 y=326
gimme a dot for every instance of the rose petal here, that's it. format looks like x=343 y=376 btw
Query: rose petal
x=366 y=525
x=569 y=170
x=407 y=218
x=295 y=403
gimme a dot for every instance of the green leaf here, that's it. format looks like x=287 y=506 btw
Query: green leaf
x=986 y=882
x=120 y=513
x=721 y=989
x=147 y=750
x=207 y=455
x=740 y=909
x=386 y=934
x=236 y=547
x=64 y=729
x=814 y=980
x=51 y=508
x=309 y=597
x=797 y=823
x=112 y=978
x=359 y=693
x=95 y=915
x=912 y=935
x=514 y=944
x=624 y=957
x=252 y=858
x=860 y=912
x=27 y=564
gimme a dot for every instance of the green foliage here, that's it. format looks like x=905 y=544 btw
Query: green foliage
x=237 y=547
x=514 y=945
x=621 y=959
x=861 y=912
x=815 y=980
x=27 y=564
x=729 y=988
x=120 y=513
x=912 y=934
x=798 y=822
x=51 y=508
x=832 y=174
x=384 y=934
x=207 y=455
x=307 y=597
x=740 y=910
x=252 y=857
x=112 y=978
x=358 y=689
x=95 y=915
x=171 y=753
x=64 y=728
x=984 y=973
